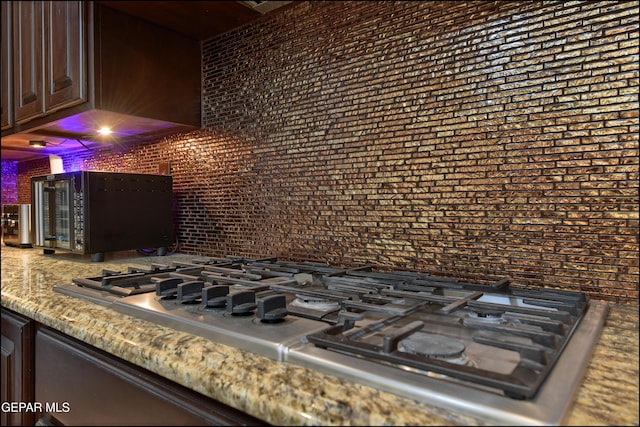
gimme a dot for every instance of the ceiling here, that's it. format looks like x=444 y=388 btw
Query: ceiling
x=199 y=20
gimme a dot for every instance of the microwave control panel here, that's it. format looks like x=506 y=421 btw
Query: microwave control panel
x=78 y=220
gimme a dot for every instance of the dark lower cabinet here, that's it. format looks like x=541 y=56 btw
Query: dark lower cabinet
x=49 y=378
x=81 y=385
x=16 y=379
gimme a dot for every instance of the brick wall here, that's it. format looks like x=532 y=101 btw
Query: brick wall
x=477 y=139
x=9 y=182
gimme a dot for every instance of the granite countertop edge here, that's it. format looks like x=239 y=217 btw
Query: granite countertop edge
x=282 y=393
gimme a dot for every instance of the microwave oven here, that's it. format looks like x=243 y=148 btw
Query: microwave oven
x=93 y=212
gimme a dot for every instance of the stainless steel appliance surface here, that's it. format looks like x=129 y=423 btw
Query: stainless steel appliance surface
x=93 y=212
x=16 y=225
x=507 y=355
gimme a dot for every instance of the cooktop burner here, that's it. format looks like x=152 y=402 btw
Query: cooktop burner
x=431 y=345
x=508 y=355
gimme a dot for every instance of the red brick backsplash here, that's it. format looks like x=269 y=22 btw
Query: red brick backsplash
x=477 y=139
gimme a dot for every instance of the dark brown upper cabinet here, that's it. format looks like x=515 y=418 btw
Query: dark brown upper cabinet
x=74 y=66
x=49 y=60
x=6 y=65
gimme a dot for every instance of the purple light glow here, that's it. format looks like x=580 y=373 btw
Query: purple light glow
x=75 y=161
x=75 y=124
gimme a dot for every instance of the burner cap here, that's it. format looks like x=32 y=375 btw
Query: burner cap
x=488 y=316
x=488 y=312
x=315 y=303
x=431 y=345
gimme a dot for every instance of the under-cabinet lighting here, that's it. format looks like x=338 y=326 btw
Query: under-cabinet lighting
x=105 y=130
x=38 y=144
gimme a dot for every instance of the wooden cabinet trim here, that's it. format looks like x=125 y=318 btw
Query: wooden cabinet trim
x=18 y=381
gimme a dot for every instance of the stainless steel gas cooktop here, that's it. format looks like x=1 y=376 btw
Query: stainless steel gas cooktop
x=514 y=356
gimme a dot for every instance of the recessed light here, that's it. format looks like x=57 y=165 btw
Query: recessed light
x=105 y=130
x=38 y=144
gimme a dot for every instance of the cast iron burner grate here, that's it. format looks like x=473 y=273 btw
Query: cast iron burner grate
x=537 y=331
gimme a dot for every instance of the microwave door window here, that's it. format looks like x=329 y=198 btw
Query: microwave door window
x=40 y=218
x=49 y=215
x=62 y=214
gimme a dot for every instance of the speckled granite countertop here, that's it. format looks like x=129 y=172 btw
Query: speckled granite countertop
x=280 y=393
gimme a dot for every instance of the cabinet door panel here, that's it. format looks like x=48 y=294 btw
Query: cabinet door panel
x=6 y=66
x=64 y=59
x=91 y=387
x=28 y=55
x=17 y=367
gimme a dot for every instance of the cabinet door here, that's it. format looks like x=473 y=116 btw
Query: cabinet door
x=49 y=57
x=64 y=62
x=28 y=55
x=17 y=367
x=6 y=66
x=86 y=386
